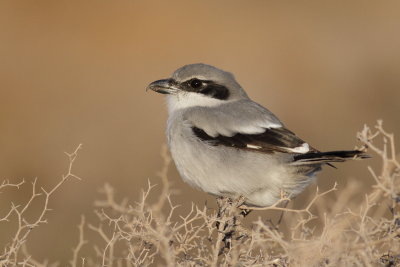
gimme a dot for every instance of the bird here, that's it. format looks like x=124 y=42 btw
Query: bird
x=227 y=145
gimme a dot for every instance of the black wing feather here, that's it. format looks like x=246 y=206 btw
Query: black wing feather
x=270 y=141
x=279 y=140
x=331 y=156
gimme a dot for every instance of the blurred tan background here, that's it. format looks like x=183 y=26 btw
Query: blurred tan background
x=76 y=71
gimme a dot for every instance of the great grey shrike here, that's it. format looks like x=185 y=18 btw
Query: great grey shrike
x=225 y=144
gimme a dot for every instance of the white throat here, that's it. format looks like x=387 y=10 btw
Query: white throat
x=189 y=99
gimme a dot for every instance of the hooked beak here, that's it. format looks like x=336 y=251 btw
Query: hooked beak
x=165 y=86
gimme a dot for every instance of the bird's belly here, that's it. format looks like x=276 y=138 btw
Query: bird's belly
x=226 y=171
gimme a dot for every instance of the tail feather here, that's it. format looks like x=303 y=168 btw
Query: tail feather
x=331 y=156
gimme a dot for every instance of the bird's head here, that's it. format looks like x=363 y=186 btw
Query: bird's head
x=199 y=85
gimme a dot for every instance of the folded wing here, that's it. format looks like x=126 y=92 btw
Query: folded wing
x=270 y=141
x=249 y=126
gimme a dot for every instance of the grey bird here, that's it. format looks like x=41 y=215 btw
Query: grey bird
x=225 y=144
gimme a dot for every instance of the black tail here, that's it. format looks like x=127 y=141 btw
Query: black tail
x=331 y=156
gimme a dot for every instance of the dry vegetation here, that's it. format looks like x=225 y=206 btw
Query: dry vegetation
x=346 y=232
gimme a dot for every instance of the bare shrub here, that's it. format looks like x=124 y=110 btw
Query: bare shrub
x=15 y=253
x=345 y=232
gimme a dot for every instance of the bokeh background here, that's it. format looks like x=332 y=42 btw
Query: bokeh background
x=75 y=72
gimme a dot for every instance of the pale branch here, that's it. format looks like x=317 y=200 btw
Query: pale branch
x=81 y=243
x=6 y=183
x=24 y=227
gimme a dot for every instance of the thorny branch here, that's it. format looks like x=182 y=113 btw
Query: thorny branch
x=348 y=231
x=81 y=243
x=11 y=254
x=153 y=232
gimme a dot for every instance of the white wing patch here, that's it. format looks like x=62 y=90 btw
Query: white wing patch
x=304 y=148
x=246 y=127
x=250 y=128
x=253 y=146
x=273 y=125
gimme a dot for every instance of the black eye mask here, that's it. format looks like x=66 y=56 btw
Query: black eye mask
x=208 y=88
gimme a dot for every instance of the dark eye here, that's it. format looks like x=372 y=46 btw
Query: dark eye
x=196 y=83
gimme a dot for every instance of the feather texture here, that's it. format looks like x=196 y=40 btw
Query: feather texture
x=270 y=141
